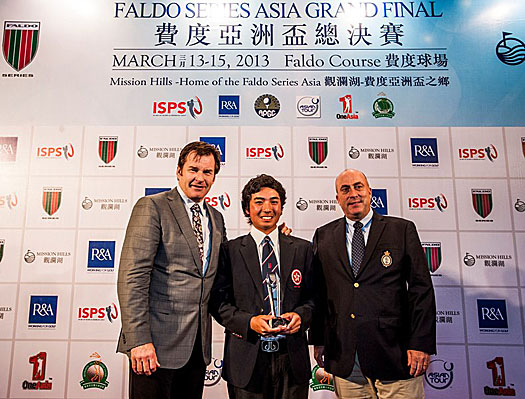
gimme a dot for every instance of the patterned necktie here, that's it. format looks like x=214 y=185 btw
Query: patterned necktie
x=269 y=270
x=358 y=247
x=197 y=228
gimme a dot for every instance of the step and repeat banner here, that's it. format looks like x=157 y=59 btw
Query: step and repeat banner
x=98 y=97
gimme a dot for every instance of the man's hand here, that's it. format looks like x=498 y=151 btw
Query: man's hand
x=294 y=322
x=283 y=228
x=319 y=355
x=418 y=362
x=260 y=325
x=144 y=359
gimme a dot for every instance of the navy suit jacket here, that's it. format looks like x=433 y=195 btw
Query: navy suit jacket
x=382 y=312
x=237 y=295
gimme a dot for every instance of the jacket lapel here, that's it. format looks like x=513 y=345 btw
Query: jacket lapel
x=376 y=229
x=215 y=238
x=251 y=260
x=286 y=261
x=339 y=233
x=181 y=217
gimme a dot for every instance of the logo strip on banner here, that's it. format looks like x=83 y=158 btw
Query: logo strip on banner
x=318 y=149
x=433 y=255
x=20 y=43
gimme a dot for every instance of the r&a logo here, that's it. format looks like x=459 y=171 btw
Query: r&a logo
x=43 y=311
x=229 y=106
x=379 y=201
x=424 y=151
x=219 y=143
x=101 y=254
x=8 y=147
x=492 y=314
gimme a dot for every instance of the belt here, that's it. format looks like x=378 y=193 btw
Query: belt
x=274 y=345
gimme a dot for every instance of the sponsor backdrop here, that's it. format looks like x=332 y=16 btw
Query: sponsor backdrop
x=99 y=97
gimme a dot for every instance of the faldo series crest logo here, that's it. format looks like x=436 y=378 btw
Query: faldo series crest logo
x=482 y=203
x=318 y=150
x=95 y=373
x=51 y=201
x=107 y=150
x=433 y=256
x=19 y=45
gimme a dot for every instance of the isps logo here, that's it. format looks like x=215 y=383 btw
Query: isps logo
x=478 y=154
x=8 y=201
x=276 y=152
x=181 y=108
x=223 y=200
x=109 y=313
x=67 y=151
x=428 y=203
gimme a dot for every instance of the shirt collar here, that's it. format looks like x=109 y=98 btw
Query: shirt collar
x=365 y=221
x=189 y=202
x=258 y=236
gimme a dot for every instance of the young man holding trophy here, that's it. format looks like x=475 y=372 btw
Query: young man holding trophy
x=263 y=296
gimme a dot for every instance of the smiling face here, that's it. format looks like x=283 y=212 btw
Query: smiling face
x=196 y=176
x=353 y=194
x=265 y=209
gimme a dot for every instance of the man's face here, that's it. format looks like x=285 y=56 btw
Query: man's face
x=353 y=194
x=196 y=176
x=265 y=209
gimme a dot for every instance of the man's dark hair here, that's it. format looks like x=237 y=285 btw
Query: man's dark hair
x=255 y=185
x=201 y=149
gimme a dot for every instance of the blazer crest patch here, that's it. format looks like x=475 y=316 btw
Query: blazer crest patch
x=297 y=277
x=386 y=259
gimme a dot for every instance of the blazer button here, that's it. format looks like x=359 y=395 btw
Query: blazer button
x=352 y=316
x=356 y=285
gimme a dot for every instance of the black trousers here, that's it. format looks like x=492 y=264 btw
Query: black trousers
x=272 y=379
x=184 y=383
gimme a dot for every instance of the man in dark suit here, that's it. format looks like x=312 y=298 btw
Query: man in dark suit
x=262 y=358
x=376 y=324
x=167 y=267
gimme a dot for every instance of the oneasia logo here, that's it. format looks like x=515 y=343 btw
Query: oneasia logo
x=38 y=375
x=192 y=106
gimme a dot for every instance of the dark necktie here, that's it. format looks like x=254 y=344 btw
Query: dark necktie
x=358 y=247
x=269 y=271
x=197 y=228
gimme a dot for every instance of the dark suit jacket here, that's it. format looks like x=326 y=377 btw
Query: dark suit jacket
x=237 y=295
x=162 y=293
x=384 y=310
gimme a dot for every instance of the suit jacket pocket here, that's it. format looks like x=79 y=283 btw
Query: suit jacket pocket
x=163 y=307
